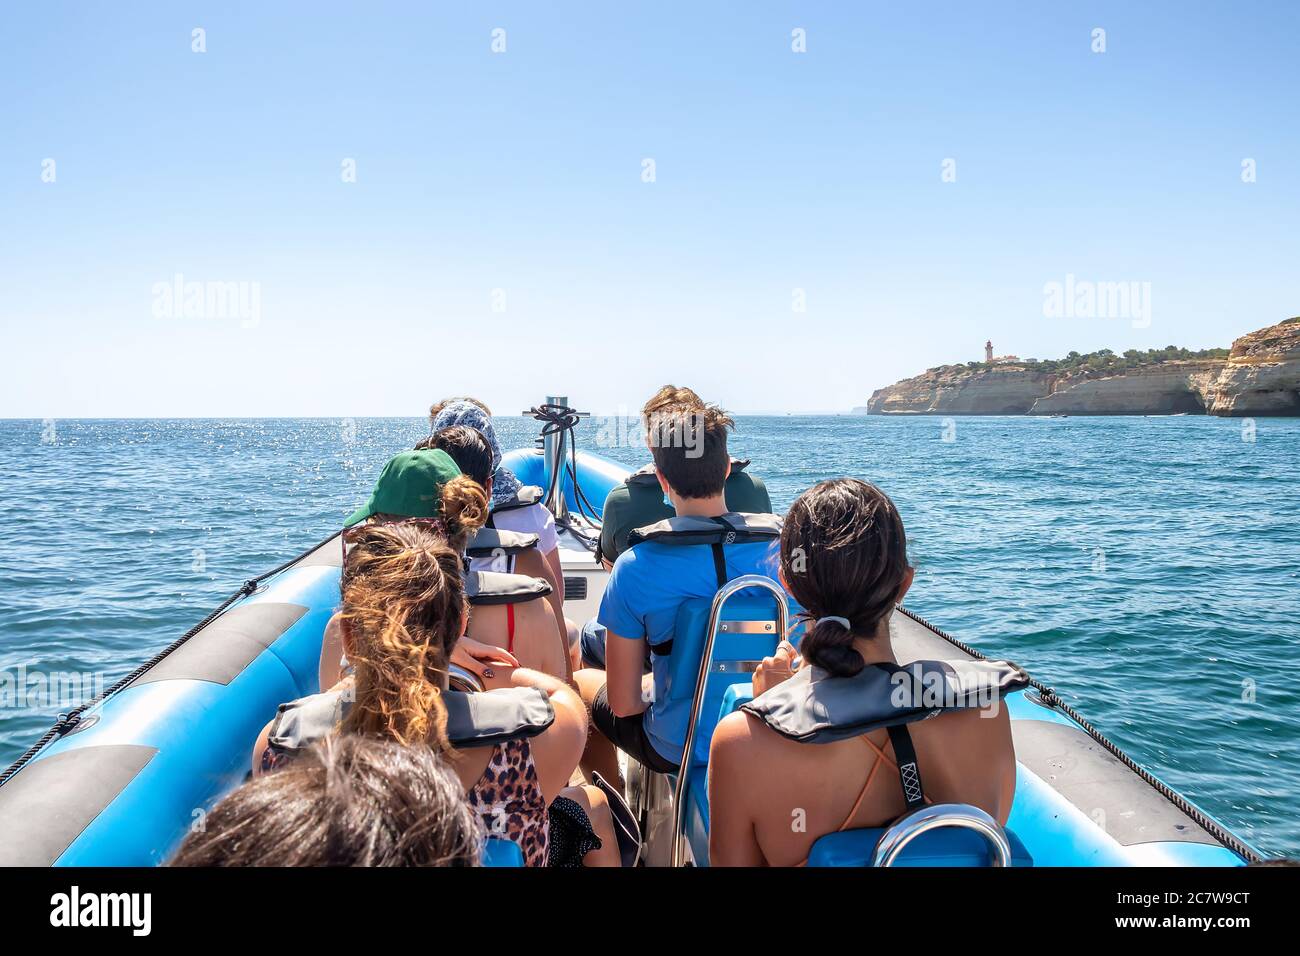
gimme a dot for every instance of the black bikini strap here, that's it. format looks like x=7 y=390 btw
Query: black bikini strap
x=905 y=755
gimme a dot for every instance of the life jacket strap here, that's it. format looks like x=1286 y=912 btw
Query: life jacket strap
x=720 y=564
x=908 y=771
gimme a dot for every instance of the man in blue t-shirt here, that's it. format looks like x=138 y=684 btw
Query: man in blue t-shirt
x=647 y=585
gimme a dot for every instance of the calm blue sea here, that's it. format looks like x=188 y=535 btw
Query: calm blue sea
x=1148 y=568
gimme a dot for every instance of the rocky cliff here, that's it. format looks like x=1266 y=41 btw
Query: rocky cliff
x=959 y=390
x=1260 y=376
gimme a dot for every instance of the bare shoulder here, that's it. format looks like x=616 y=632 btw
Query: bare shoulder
x=975 y=725
x=742 y=740
x=975 y=717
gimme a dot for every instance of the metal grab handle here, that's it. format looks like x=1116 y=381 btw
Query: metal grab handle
x=720 y=599
x=463 y=680
x=960 y=815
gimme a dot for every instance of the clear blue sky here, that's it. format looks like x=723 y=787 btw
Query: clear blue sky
x=522 y=171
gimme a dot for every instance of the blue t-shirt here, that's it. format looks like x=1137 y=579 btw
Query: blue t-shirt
x=645 y=590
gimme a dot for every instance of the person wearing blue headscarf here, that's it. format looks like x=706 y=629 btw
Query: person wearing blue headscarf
x=529 y=519
x=463 y=412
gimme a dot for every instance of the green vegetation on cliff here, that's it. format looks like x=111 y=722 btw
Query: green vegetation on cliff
x=1103 y=360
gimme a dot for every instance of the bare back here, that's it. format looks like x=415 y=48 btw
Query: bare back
x=771 y=798
x=536 y=642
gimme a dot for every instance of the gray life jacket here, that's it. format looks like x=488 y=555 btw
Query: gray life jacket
x=473 y=719
x=486 y=588
x=489 y=543
x=525 y=497
x=645 y=475
x=730 y=528
x=817 y=708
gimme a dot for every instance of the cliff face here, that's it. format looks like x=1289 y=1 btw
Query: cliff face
x=1261 y=376
x=958 y=390
x=1169 y=388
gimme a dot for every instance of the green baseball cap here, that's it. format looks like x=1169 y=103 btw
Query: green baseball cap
x=410 y=486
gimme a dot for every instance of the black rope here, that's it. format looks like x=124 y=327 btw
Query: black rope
x=66 y=722
x=1050 y=698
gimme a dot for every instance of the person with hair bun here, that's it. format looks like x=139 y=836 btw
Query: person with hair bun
x=539 y=646
x=426 y=485
x=509 y=512
x=783 y=758
x=513 y=748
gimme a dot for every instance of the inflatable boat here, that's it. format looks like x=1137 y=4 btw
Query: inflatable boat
x=120 y=780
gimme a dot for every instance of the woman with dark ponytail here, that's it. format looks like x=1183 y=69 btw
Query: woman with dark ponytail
x=771 y=795
x=844 y=559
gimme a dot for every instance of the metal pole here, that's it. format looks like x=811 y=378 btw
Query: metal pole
x=553 y=449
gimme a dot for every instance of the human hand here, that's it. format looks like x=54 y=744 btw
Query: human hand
x=773 y=670
x=480 y=658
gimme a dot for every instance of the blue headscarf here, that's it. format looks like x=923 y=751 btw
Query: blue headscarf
x=504 y=484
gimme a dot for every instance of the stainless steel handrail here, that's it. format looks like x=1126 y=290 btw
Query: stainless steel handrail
x=960 y=815
x=720 y=599
x=463 y=679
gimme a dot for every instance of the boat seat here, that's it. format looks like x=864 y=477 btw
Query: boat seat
x=499 y=852
x=697 y=784
x=746 y=634
x=748 y=630
x=696 y=828
x=736 y=696
x=947 y=847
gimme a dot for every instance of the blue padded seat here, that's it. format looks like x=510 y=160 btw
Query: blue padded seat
x=697 y=814
x=697 y=785
x=725 y=689
x=946 y=847
x=678 y=686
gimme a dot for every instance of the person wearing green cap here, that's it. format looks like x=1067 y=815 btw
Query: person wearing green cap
x=426 y=485
x=423 y=484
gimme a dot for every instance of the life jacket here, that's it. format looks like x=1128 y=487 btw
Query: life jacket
x=639 y=501
x=498 y=588
x=730 y=528
x=525 y=497
x=485 y=588
x=816 y=707
x=489 y=545
x=473 y=719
